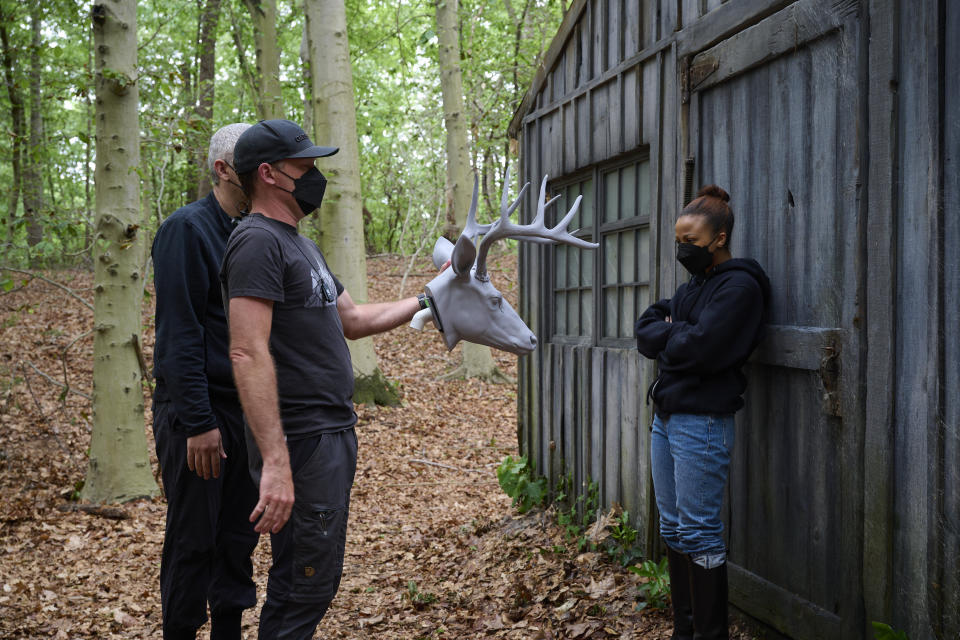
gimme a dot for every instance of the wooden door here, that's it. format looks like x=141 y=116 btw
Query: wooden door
x=770 y=113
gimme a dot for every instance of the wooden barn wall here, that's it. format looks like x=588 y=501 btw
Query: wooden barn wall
x=581 y=407
x=775 y=123
x=840 y=147
x=926 y=458
x=948 y=517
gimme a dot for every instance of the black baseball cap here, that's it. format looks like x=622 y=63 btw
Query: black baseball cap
x=273 y=140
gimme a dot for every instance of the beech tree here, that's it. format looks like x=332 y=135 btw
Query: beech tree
x=334 y=119
x=263 y=14
x=119 y=466
x=477 y=361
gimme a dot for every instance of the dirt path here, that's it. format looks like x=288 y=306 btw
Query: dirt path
x=434 y=549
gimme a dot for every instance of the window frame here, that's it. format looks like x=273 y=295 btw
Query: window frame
x=596 y=232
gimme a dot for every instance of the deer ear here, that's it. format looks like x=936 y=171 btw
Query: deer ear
x=464 y=254
x=442 y=251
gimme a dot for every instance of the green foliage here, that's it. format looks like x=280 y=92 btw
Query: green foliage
x=622 y=546
x=419 y=599
x=517 y=479
x=577 y=514
x=655 y=588
x=883 y=631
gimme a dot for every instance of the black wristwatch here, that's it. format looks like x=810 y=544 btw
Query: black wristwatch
x=422 y=299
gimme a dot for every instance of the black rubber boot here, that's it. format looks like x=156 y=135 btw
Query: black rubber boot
x=709 y=591
x=679 y=564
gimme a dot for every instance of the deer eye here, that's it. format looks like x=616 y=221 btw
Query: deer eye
x=496 y=302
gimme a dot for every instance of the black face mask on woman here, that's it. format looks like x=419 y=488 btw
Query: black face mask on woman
x=308 y=189
x=694 y=258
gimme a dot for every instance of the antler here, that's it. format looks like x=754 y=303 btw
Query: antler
x=535 y=231
x=471 y=229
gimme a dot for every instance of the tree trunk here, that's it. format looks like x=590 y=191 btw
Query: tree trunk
x=17 y=118
x=269 y=98
x=341 y=216
x=32 y=177
x=119 y=466
x=207 y=54
x=477 y=360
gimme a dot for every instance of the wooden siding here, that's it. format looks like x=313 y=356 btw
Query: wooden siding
x=835 y=125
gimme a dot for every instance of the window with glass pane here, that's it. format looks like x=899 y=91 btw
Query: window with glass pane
x=624 y=247
x=573 y=267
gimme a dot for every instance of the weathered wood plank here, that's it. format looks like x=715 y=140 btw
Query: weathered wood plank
x=584 y=425
x=632 y=108
x=949 y=527
x=599 y=426
x=616 y=107
x=668 y=19
x=569 y=137
x=563 y=451
x=610 y=369
x=796 y=347
x=785 y=611
x=780 y=33
x=689 y=12
x=880 y=301
x=598 y=31
x=724 y=22
x=600 y=122
x=631 y=29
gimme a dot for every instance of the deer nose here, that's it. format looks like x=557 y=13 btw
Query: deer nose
x=533 y=341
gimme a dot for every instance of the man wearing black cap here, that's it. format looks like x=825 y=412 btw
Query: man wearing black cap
x=288 y=318
x=197 y=422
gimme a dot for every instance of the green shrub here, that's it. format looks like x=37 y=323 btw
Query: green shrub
x=517 y=479
x=656 y=587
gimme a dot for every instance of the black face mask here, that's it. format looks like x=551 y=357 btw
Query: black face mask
x=308 y=189
x=694 y=258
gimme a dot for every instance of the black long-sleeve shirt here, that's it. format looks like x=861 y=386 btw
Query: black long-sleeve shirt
x=191 y=356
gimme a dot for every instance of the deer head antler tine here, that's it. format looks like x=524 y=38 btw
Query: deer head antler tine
x=471 y=229
x=505 y=192
x=567 y=218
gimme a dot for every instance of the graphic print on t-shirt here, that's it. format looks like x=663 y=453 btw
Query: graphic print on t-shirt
x=323 y=291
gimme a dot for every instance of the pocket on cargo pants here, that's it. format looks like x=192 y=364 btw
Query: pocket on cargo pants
x=322 y=486
x=318 y=549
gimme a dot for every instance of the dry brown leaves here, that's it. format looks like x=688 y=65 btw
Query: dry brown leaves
x=434 y=549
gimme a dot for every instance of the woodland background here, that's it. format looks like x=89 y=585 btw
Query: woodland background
x=435 y=549
x=197 y=70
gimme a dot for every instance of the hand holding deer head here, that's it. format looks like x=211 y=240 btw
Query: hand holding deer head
x=465 y=305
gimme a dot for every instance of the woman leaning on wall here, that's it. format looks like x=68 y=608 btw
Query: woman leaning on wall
x=700 y=339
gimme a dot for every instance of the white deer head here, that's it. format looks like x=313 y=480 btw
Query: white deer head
x=464 y=305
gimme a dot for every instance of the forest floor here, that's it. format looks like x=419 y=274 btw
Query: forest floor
x=434 y=548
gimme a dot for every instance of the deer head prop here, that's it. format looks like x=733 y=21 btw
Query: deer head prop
x=464 y=305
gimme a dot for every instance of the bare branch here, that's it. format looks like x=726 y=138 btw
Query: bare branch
x=65 y=288
x=51 y=380
x=444 y=466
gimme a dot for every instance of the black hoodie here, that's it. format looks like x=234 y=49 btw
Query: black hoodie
x=717 y=321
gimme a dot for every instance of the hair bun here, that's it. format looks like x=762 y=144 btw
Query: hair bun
x=713 y=191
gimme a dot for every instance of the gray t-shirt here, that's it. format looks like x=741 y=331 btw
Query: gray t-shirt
x=268 y=259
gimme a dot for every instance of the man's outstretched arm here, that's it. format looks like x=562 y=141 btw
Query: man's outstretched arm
x=362 y=320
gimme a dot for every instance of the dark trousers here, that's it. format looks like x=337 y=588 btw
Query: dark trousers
x=209 y=538
x=308 y=552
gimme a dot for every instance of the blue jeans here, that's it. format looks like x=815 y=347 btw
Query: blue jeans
x=690 y=459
